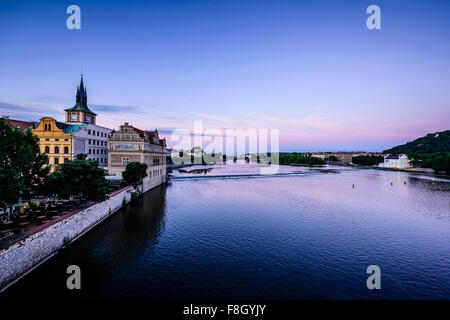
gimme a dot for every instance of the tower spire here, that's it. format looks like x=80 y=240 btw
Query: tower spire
x=83 y=95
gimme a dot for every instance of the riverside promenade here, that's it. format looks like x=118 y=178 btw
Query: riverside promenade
x=40 y=243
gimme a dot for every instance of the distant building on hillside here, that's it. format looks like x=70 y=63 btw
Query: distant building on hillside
x=396 y=161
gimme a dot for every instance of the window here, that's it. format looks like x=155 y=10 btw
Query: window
x=66 y=150
x=89 y=131
x=56 y=149
x=47 y=149
x=125 y=161
x=98 y=133
x=56 y=161
x=47 y=139
x=66 y=160
x=89 y=141
x=73 y=117
x=93 y=132
x=56 y=139
x=89 y=151
x=66 y=139
x=88 y=119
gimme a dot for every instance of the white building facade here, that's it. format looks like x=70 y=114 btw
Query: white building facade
x=396 y=161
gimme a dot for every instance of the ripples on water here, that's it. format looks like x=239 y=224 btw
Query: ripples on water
x=302 y=234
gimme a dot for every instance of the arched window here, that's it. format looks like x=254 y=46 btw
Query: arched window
x=49 y=127
x=66 y=149
x=56 y=149
x=47 y=149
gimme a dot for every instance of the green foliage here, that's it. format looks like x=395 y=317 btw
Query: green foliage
x=333 y=158
x=67 y=241
x=34 y=170
x=17 y=230
x=20 y=164
x=431 y=143
x=299 y=158
x=439 y=161
x=79 y=177
x=134 y=173
x=368 y=160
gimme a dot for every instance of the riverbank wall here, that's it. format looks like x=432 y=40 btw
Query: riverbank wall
x=24 y=256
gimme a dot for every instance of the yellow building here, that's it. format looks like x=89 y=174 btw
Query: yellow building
x=80 y=135
x=55 y=140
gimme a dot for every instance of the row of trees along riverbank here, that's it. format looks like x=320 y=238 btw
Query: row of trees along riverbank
x=295 y=158
x=24 y=172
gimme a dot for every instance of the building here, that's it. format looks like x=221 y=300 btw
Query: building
x=319 y=155
x=80 y=134
x=396 y=161
x=22 y=125
x=55 y=140
x=131 y=144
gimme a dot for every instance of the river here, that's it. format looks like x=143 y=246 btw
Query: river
x=230 y=233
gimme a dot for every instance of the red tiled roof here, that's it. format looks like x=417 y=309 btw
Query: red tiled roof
x=22 y=125
x=150 y=134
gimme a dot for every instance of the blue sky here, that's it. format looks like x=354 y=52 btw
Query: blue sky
x=310 y=69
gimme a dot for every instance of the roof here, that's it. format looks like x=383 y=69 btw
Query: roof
x=69 y=128
x=83 y=108
x=150 y=134
x=392 y=157
x=81 y=100
x=22 y=125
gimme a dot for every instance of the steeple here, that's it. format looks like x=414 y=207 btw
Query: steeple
x=82 y=94
x=80 y=112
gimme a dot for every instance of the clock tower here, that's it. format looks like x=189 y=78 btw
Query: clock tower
x=80 y=112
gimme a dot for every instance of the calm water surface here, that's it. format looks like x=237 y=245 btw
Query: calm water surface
x=302 y=234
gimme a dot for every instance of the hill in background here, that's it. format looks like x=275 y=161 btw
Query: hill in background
x=431 y=143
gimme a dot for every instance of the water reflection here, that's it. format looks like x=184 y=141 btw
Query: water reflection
x=305 y=233
x=105 y=254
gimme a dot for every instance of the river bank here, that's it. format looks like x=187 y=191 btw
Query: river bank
x=43 y=242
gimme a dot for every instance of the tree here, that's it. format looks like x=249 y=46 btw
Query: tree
x=80 y=176
x=10 y=184
x=368 y=160
x=21 y=164
x=34 y=169
x=134 y=173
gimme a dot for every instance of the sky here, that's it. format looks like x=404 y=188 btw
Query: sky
x=311 y=69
